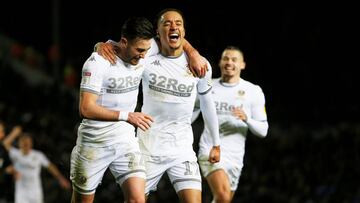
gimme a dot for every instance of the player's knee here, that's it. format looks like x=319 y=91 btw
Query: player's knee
x=223 y=197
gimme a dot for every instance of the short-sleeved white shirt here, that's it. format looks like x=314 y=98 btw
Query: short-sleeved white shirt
x=29 y=166
x=117 y=86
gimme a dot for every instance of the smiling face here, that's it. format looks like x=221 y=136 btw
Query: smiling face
x=231 y=64
x=171 y=32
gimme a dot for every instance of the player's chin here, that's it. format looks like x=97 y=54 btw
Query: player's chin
x=134 y=62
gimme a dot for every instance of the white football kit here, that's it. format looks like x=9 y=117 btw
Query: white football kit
x=28 y=188
x=233 y=131
x=169 y=93
x=104 y=144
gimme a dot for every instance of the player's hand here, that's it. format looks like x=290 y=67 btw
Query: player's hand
x=197 y=64
x=16 y=130
x=214 y=155
x=16 y=175
x=239 y=113
x=12 y=171
x=64 y=183
x=106 y=50
x=141 y=120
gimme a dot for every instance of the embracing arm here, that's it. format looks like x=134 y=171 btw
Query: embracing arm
x=107 y=50
x=198 y=66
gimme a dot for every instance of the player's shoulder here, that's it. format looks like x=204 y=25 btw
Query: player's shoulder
x=216 y=80
x=96 y=58
x=37 y=152
x=154 y=56
x=14 y=150
x=251 y=85
x=153 y=59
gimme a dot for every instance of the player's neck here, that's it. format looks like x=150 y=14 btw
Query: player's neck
x=25 y=152
x=172 y=52
x=230 y=79
x=119 y=54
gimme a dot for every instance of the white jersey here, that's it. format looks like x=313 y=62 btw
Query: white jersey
x=28 y=187
x=117 y=86
x=233 y=131
x=169 y=91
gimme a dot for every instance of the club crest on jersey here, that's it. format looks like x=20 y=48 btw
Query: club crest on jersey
x=241 y=93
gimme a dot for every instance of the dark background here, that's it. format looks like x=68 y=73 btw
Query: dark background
x=296 y=52
x=303 y=55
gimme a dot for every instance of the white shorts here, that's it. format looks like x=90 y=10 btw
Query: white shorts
x=232 y=170
x=88 y=165
x=183 y=174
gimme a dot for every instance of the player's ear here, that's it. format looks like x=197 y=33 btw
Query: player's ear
x=242 y=65
x=157 y=34
x=123 y=42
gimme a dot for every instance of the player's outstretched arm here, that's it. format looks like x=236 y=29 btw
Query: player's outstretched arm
x=64 y=183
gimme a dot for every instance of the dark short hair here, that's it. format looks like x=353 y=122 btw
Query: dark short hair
x=234 y=48
x=158 y=16
x=137 y=27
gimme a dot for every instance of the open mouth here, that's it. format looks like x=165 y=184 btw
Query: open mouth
x=229 y=68
x=174 y=37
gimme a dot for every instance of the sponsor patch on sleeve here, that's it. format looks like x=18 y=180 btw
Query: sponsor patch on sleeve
x=86 y=73
x=85 y=79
